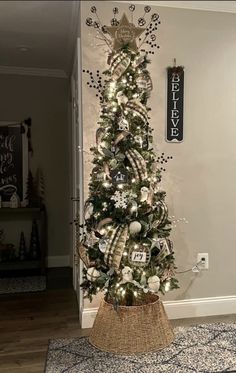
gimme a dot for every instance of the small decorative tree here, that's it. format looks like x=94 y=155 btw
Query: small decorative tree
x=40 y=187
x=34 y=250
x=22 y=247
x=31 y=194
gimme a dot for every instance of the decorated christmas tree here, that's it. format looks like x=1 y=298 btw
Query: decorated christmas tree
x=126 y=249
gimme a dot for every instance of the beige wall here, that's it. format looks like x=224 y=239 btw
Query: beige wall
x=200 y=180
x=45 y=100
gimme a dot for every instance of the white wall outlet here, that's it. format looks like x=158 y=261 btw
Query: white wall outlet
x=203 y=258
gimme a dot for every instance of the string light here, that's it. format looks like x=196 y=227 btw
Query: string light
x=135 y=293
x=167 y=286
x=120 y=186
x=133 y=180
x=133 y=208
x=106 y=184
x=125 y=253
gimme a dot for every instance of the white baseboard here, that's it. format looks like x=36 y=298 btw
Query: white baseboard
x=199 y=307
x=180 y=309
x=58 y=261
x=87 y=317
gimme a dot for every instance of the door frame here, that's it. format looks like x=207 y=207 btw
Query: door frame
x=77 y=170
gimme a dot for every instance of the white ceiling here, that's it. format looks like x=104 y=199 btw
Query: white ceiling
x=47 y=28
x=215 y=6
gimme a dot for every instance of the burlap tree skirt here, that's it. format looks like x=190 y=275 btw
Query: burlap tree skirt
x=133 y=329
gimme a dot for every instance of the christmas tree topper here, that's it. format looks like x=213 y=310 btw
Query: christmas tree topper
x=125 y=34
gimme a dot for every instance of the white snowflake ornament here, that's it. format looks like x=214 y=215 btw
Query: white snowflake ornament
x=121 y=199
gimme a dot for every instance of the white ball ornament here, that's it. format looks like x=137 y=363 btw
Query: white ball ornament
x=127 y=275
x=144 y=194
x=135 y=227
x=154 y=283
x=93 y=274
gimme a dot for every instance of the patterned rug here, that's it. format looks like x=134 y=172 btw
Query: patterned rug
x=206 y=348
x=22 y=284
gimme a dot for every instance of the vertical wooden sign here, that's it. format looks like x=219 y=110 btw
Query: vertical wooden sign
x=175 y=104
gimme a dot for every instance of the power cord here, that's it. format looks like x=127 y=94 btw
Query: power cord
x=195 y=268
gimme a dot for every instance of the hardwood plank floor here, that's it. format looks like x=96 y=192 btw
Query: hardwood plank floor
x=28 y=321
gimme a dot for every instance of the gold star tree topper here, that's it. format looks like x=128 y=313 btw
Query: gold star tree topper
x=125 y=34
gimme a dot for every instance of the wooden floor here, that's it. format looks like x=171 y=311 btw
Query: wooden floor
x=28 y=321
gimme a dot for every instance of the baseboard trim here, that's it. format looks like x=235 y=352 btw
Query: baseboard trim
x=181 y=309
x=58 y=261
x=87 y=317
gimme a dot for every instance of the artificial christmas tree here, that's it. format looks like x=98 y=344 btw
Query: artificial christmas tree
x=126 y=247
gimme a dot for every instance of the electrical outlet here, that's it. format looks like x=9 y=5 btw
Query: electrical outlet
x=203 y=258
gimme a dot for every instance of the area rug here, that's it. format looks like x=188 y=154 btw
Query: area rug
x=206 y=348
x=22 y=284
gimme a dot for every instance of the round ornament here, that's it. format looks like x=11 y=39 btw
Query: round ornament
x=141 y=21
x=103 y=245
x=132 y=7
x=127 y=274
x=155 y=17
x=89 y=21
x=147 y=9
x=96 y=24
x=135 y=227
x=114 y=22
x=93 y=274
x=93 y=9
x=154 y=283
x=115 y=10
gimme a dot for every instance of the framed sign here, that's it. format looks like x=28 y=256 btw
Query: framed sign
x=175 y=104
x=13 y=162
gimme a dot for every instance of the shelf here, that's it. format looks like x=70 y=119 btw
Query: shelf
x=20 y=210
x=26 y=264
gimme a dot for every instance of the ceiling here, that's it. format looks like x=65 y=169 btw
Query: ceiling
x=38 y=35
x=215 y=6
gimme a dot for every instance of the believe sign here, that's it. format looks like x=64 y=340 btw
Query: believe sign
x=175 y=104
